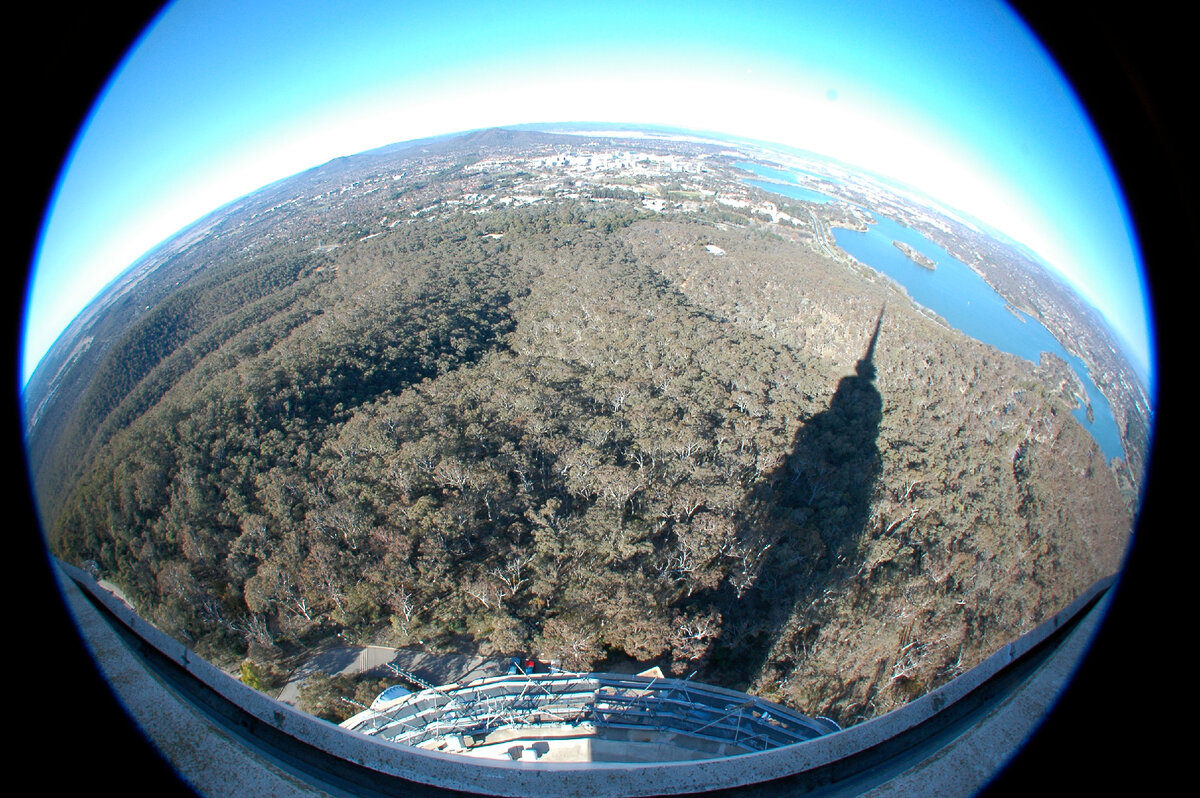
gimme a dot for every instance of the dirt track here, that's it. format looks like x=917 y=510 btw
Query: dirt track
x=433 y=668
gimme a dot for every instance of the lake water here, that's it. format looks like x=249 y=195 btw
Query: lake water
x=962 y=298
x=788 y=176
x=789 y=187
x=793 y=191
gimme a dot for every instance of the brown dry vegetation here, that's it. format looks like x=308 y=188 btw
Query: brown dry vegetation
x=590 y=438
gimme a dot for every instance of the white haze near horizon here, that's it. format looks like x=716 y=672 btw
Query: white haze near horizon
x=87 y=242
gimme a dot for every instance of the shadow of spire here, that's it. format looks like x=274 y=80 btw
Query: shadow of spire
x=804 y=523
x=866 y=366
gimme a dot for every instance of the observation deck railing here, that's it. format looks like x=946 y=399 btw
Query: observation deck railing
x=603 y=700
x=1003 y=698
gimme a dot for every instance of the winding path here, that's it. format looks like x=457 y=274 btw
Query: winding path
x=434 y=668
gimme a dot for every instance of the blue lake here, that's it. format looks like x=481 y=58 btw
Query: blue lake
x=793 y=191
x=788 y=176
x=788 y=187
x=966 y=301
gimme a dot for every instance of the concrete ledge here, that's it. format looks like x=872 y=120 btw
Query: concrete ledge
x=1014 y=685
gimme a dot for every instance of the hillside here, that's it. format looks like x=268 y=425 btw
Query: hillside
x=520 y=392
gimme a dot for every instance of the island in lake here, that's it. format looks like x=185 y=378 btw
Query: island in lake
x=916 y=257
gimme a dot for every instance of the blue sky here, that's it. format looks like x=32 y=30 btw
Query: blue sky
x=220 y=97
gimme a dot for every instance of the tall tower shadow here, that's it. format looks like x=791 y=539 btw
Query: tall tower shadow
x=805 y=522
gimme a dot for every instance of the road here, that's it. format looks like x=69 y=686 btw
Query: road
x=434 y=668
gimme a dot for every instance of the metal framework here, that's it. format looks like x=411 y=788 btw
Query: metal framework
x=589 y=703
x=949 y=742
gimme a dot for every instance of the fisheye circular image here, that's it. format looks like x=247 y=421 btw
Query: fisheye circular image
x=622 y=399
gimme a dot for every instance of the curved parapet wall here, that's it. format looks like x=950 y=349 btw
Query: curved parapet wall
x=327 y=754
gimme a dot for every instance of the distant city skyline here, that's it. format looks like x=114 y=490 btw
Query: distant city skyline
x=219 y=98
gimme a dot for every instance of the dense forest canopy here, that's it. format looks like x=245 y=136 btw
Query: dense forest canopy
x=595 y=400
